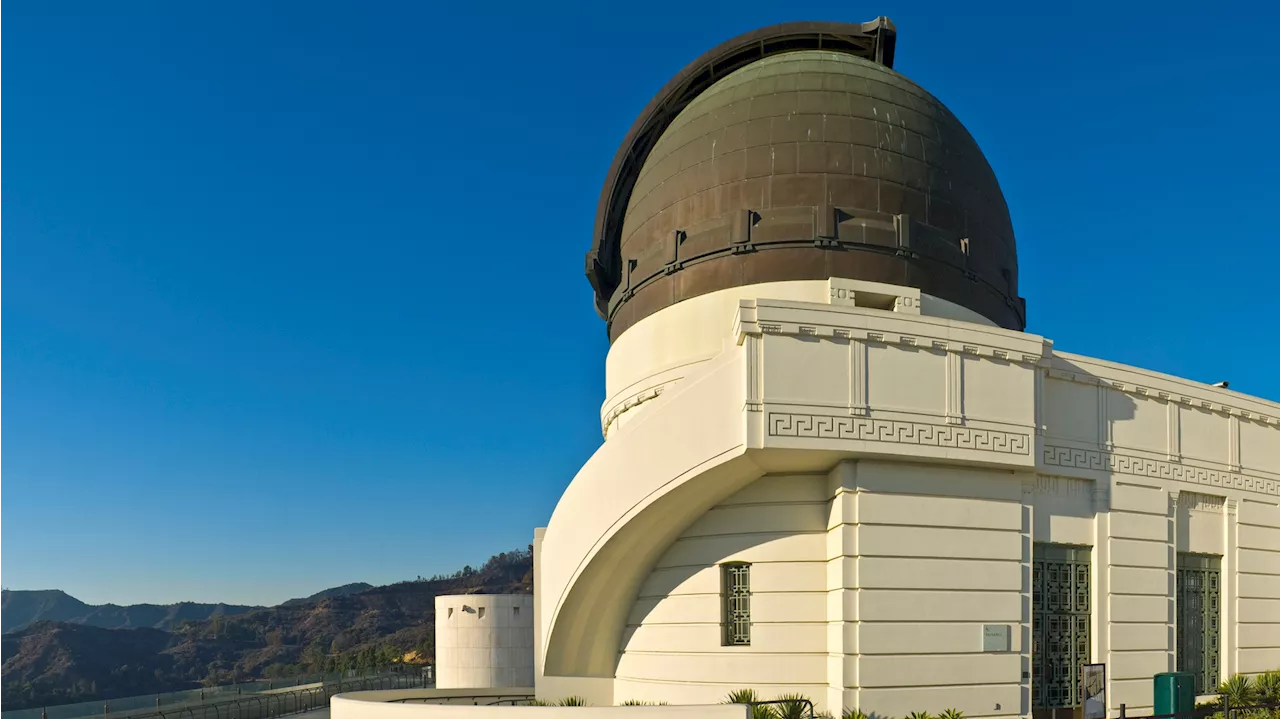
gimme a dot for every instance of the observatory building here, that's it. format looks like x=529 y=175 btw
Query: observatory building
x=834 y=464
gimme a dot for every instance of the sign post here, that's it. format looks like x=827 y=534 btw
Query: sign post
x=1093 y=690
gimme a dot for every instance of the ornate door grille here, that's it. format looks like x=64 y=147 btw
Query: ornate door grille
x=736 y=583
x=1199 y=618
x=1060 y=599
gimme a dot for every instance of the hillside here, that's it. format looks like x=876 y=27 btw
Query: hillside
x=22 y=608
x=56 y=662
x=344 y=590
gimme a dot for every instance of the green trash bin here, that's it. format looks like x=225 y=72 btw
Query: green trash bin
x=1175 y=693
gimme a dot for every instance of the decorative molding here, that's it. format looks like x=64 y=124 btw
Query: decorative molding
x=754 y=352
x=1201 y=502
x=1104 y=418
x=858 y=378
x=1072 y=457
x=1173 y=398
x=1175 y=432
x=787 y=424
x=750 y=323
x=1231 y=506
x=1233 y=443
x=1101 y=496
x=1063 y=486
x=955 y=388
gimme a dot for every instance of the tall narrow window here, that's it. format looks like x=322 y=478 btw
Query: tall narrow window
x=735 y=590
x=1199 y=618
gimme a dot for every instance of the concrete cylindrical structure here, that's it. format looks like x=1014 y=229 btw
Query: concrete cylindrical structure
x=484 y=641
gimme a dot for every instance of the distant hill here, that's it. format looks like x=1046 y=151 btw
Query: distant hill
x=344 y=590
x=22 y=608
x=49 y=663
x=55 y=662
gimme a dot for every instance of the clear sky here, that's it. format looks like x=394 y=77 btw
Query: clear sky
x=293 y=293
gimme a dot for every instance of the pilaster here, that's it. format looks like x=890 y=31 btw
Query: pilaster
x=1171 y=619
x=1101 y=630
x=1230 y=590
x=842 y=580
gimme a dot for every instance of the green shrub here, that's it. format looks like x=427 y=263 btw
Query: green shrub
x=1267 y=686
x=919 y=715
x=951 y=714
x=852 y=714
x=748 y=696
x=641 y=703
x=572 y=702
x=1237 y=691
x=791 y=706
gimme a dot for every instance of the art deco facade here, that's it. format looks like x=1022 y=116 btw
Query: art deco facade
x=835 y=464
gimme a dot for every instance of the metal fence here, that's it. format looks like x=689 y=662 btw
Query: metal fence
x=489 y=700
x=1218 y=711
x=789 y=708
x=185 y=703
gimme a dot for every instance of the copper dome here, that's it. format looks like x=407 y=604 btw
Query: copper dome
x=796 y=153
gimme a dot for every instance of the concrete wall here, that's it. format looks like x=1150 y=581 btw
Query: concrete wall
x=484 y=640
x=445 y=705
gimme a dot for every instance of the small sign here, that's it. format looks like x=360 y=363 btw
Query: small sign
x=1093 y=690
x=995 y=637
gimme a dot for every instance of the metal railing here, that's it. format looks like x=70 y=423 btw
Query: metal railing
x=790 y=708
x=123 y=707
x=1250 y=711
x=474 y=700
x=276 y=704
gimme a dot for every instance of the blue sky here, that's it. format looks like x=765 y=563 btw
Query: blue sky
x=293 y=293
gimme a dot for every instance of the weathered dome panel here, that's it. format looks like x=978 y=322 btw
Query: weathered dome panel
x=813 y=164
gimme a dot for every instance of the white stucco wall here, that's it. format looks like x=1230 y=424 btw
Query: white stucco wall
x=916 y=460
x=484 y=640
x=672 y=645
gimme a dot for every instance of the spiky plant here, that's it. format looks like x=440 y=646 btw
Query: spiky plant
x=1237 y=691
x=792 y=706
x=1267 y=687
x=919 y=715
x=572 y=702
x=853 y=714
x=749 y=696
x=951 y=714
x=741 y=696
x=641 y=703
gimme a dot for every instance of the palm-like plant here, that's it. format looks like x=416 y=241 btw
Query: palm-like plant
x=1237 y=691
x=919 y=715
x=792 y=706
x=853 y=714
x=951 y=714
x=749 y=696
x=1267 y=687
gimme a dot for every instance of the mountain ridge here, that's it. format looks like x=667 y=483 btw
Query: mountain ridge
x=20 y=608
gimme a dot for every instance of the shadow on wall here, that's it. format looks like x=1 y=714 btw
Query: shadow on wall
x=726 y=546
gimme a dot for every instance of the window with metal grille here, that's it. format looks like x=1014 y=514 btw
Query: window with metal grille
x=735 y=590
x=1060 y=599
x=1199 y=618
